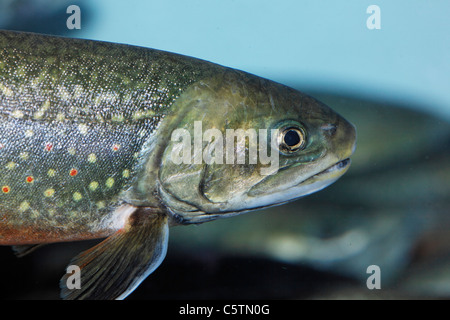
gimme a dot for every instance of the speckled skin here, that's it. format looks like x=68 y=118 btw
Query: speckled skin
x=86 y=150
x=86 y=126
x=76 y=120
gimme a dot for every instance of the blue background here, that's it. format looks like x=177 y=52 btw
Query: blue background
x=307 y=44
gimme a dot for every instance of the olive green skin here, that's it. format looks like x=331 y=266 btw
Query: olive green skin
x=69 y=104
x=231 y=100
x=86 y=128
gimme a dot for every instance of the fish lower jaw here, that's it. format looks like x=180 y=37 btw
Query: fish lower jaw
x=181 y=213
x=314 y=183
x=324 y=178
x=337 y=169
x=305 y=188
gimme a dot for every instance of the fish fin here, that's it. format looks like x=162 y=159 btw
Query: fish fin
x=22 y=250
x=116 y=266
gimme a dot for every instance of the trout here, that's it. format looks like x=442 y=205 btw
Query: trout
x=101 y=140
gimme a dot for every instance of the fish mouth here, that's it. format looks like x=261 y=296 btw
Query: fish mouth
x=337 y=169
x=307 y=186
x=323 y=178
x=262 y=195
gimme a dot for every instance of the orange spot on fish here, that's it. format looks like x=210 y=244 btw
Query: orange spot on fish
x=115 y=147
x=6 y=189
x=73 y=172
x=48 y=147
x=29 y=179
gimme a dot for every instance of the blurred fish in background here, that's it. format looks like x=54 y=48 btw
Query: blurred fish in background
x=391 y=209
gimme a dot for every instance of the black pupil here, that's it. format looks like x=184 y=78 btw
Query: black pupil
x=292 y=138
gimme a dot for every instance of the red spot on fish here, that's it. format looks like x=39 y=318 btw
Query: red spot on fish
x=73 y=172
x=6 y=189
x=29 y=179
x=48 y=147
x=115 y=147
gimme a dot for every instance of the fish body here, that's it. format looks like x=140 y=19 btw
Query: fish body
x=87 y=150
x=77 y=122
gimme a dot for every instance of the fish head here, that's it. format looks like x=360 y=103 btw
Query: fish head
x=246 y=143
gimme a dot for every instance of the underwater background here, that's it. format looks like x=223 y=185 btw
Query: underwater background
x=391 y=209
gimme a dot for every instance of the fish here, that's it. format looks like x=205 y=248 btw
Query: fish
x=96 y=143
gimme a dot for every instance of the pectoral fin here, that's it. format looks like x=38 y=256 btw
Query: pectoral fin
x=115 y=267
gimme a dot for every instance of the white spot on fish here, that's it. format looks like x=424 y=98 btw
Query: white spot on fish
x=100 y=204
x=83 y=128
x=49 y=192
x=24 y=155
x=40 y=113
x=6 y=91
x=17 y=114
x=147 y=114
x=126 y=173
x=93 y=185
x=77 y=196
x=60 y=116
x=51 y=172
x=29 y=133
x=11 y=165
x=92 y=158
x=109 y=182
x=24 y=206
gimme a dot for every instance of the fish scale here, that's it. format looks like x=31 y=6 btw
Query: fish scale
x=57 y=158
x=62 y=101
x=87 y=150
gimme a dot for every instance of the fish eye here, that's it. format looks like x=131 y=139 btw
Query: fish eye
x=291 y=139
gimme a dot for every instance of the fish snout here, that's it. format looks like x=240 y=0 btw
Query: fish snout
x=342 y=137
